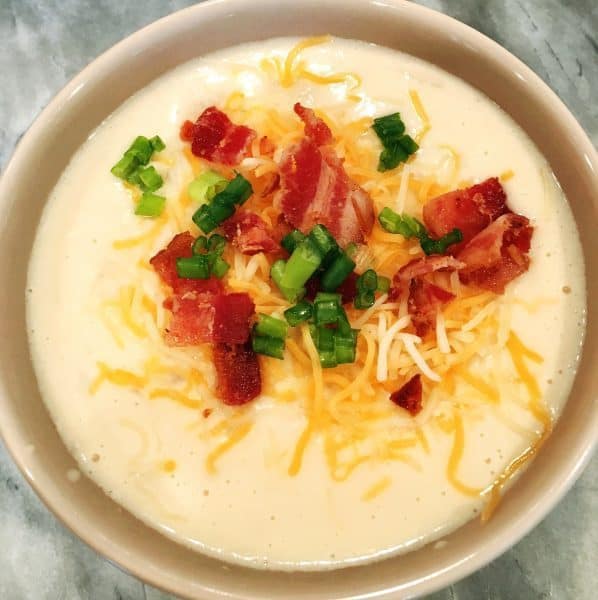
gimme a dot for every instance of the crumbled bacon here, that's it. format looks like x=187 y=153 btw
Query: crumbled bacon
x=164 y=264
x=425 y=300
x=238 y=373
x=470 y=210
x=314 y=187
x=348 y=288
x=232 y=316
x=409 y=396
x=249 y=233
x=498 y=254
x=216 y=138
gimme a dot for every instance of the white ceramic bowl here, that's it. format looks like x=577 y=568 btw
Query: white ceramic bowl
x=102 y=87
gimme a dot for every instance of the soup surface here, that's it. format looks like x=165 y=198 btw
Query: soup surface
x=321 y=469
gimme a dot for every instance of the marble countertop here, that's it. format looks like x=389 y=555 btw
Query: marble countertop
x=46 y=42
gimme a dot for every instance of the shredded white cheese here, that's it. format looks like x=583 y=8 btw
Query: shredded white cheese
x=441 y=337
x=385 y=342
x=409 y=341
x=365 y=317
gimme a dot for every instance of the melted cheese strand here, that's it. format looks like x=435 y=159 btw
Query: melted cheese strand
x=455 y=459
x=409 y=342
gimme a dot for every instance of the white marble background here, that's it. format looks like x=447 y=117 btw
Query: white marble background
x=45 y=43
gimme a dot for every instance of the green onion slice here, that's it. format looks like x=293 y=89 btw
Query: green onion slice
x=150 y=205
x=268 y=346
x=301 y=312
x=205 y=186
x=397 y=145
x=193 y=267
x=149 y=179
x=270 y=326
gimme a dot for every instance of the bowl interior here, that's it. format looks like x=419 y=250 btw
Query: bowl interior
x=27 y=429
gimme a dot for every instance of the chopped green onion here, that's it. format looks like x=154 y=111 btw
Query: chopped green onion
x=125 y=167
x=149 y=179
x=302 y=264
x=222 y=206
x=383 y=284
x=302 y=311
x=439 y=246
x=203 y=219
x=200 y=245
x=397 y=146
x=205 y=186
x=323 y=240
x=157 y=143
x=351 y=249
x=337 y=272
x=345 y=347
x=367 y=281
x=327 y=308
x=270 y=326
x=220 y=267
x=410 y=227
x=276 y=273
x=290 y=241
x=216 y=243
x=150 y=205
x=141 y=149
x=269 y=346
x=364 y=300
x=193 y=267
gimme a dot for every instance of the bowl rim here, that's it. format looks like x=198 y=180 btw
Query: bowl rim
x=458 y=569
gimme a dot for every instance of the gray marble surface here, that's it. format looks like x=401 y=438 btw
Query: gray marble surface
x=46 y=42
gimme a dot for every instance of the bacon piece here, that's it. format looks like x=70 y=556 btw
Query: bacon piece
x=423 y=266
x=164 y=264
x=232 y=314
x=192 y=319
x=314 y=187
x=315 y=128
x=425 y=300
x=238 y=373
x=470 y=210
x=249 y=233
x=409 y=396
x=348 y=288
x=216 y=138
x=498 y=254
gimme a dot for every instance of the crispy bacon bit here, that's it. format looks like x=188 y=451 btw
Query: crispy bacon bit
x=498 y=254
x=164 y=264
x=425 y=300
x=191 y=321
x=216 y=138
x=249 y=233
x=314 y=187
x=238 y=373
x=315 y=128
x=470 y=210
x=232 y=314
x=348 y=288
x=409 y=396
x=423 y=266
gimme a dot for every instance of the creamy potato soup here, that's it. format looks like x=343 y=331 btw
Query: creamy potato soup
x=370 y=326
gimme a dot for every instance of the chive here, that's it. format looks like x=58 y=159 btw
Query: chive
x=367 y=281
x=383 y=284
x=200 y=245
x=290 y=241
x=327 y=308
x=150 y=205
x=157 y=143
x=268 y=346
x=364 y=299
x=301 y=265
x=125 y=166
x=410 y=227
x=204 y=187
x=439 y=246
x=141 y=149
x=271 y=327
x=238 y=190
x=337 y=272
x=323 y=240
x=149 y=179
x=302 y=311
x=194 y=267
x=276 y=273
x=325 y=339
x=397 y=146
x=202 y=217
x=220 y=267
x=345 y=347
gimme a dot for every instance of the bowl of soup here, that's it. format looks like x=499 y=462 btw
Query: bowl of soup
x=300 y=309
